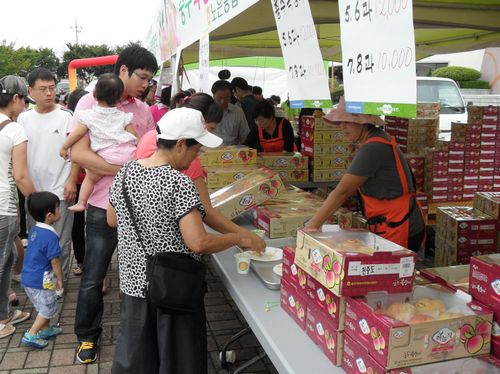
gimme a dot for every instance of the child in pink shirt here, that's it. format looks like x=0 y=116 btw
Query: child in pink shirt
x=111 y=132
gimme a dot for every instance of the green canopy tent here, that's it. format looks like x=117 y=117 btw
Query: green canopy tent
x=441 y=26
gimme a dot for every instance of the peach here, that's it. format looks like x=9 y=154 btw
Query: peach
x=447 y=315
x=427 y=304
x=402 y=311
x=419 y=318
x=464 y=280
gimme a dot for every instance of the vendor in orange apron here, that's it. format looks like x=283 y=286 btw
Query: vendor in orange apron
x=272 y=134
x=383 y=178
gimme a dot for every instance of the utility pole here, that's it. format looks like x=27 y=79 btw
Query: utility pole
x=77 y=29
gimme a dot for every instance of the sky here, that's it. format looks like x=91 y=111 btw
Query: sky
x=40 y=24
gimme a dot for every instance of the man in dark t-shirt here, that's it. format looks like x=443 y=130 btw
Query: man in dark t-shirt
x=246 y=100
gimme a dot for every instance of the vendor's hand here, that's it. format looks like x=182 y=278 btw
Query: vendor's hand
x=59 y=285
x=245 y=242
x=258 y=244
x=311 y=225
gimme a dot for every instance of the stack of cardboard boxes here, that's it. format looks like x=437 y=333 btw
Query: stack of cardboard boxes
x=291 y=166
x=328 y=149
x=463 y=232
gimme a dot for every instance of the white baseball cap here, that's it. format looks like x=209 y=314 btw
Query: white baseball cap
x=186 y=123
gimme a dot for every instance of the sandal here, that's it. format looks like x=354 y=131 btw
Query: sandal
x=16 y=318
x=6 y=327
x=78 y=270
x=34 y=340
x=53 y=331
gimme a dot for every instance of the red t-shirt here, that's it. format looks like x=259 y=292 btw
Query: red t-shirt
x=147 y=146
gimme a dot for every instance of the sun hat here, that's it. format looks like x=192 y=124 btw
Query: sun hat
x=341 y=115
x=186 y=123
x=12 y=85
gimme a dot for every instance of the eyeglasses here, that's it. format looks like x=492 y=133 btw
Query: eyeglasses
x=50 y=89
x=145 y=79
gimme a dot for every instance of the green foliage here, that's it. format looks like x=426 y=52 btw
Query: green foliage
x=46 y=59
x=457 y=73
x=337 y=94
x=474 y=84
x=16 y=61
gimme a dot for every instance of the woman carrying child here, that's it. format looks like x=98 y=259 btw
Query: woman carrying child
x=111 y=133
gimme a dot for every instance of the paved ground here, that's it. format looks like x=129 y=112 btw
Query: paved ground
x=223 y=321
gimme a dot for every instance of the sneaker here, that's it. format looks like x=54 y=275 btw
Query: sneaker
x=87 y=352
x=53 y=331
x=34 y=340
x=16 y=277
x=60 y=293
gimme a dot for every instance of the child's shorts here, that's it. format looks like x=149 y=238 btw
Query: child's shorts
x=45 y=301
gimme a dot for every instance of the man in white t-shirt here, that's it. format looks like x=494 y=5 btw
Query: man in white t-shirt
x=46 y=125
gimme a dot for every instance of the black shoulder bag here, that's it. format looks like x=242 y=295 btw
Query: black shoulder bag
x=175 y=282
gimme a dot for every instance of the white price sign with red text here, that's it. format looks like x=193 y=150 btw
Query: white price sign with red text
x=378 y=53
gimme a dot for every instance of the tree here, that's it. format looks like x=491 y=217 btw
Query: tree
x=16 y=61
x=79 y=51
x=46 y=59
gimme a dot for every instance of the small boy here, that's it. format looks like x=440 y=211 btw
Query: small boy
x=40 y=264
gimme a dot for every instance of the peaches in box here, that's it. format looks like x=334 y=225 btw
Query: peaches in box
x=247 y=192
x=233 y=154
x=455 y=277
x=433 y=322
x=280 y=160
x=354 y=262
x=325 y=335
x=293 y=303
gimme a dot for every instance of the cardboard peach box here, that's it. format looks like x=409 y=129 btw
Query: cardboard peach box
x=324 y=136
x=325 y=335
x=294 y=199
x=293 y=303
x=233 y=154
x=247 y=192
x=309 y=148
x=477 y=365
x=354 y=262
x=320 y=124
x=356 y=358
x=432 y=323
x=281 y=221
x=326 y=303
x=333 y=162
x=488 y=202
x=429 y=105
x=455 y=277
x=221 y=176
x=484 y=284
x=293 y=274
x=293 y=175
x=281 y=160
x=326 y=175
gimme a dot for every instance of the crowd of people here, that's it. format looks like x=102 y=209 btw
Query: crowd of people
x=61 y=188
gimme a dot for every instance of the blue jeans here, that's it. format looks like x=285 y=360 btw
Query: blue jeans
x=101 y=243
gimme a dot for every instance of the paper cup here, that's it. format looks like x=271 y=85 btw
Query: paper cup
x=261 y=233
x=243 y=262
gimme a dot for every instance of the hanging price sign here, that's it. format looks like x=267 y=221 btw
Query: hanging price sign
x=378 y=53
x=204 y=59
x=306 y=72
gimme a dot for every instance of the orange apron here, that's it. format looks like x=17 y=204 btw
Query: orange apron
x=275 y=144
x=389 y=218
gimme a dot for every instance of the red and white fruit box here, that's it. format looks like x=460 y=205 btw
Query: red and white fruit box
x=354 y=262
x=484 y=284
x=293 y=303
x=455 y=277
x=433 y=321
x=325 y=335
x=356 y=359
x=292 y=273
x=326 y=303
